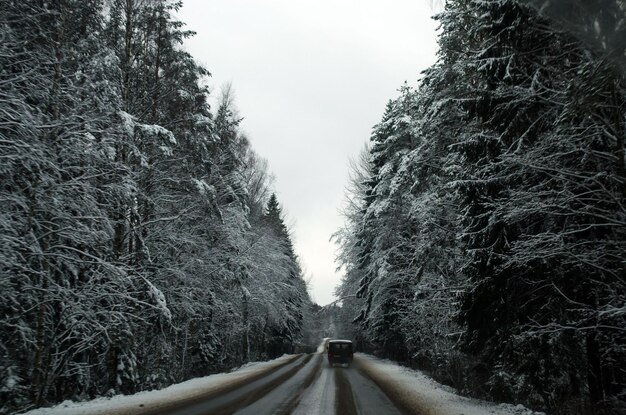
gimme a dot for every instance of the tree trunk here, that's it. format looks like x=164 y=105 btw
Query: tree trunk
x=620 y=131
x=128 y=38
x=594 y=370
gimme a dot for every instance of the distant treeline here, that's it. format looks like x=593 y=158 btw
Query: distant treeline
x=485 y=238
x=140 y=243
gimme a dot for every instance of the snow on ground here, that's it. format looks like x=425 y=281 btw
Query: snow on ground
x=414 y=390
x=322 y=347
x=151 y=400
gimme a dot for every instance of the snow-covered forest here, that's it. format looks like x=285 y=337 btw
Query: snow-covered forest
x=485 y=234
x=140 y=241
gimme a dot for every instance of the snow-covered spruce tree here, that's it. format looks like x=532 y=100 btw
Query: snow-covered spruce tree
x=535 y=175
x=523 y=126
x=347 y=240
x=127 y=225
x=292 y=298
x=400 y=239
x=578 y=174
x=385 y=234
x=187 y=223
x=429 y=322
x=599 y=24
x=23 y=161
x=144 y=37
x=192 y=206
x=59 y=259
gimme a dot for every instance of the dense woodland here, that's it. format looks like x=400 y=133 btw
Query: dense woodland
x=485 y=236
x=140 y=243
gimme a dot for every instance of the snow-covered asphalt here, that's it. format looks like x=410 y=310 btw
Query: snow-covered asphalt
x=305 y=386
x=297 y=384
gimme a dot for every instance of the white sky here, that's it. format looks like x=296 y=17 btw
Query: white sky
x=311 y=78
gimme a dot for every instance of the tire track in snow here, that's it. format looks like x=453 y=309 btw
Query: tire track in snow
x=308 y=380
x=281 y=399
x=243 y=395
x=319 y=398
x=368 y=397
x=344 y=399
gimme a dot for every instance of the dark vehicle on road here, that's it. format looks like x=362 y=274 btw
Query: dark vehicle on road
x=339 y=352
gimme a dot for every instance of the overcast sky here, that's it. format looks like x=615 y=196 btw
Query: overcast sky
x=311 y=78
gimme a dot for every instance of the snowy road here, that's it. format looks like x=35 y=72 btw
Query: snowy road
x=297 y=384
x=306 y=385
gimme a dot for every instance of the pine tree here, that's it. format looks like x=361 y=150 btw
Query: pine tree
x=127 y=236
x=508 y=183
x=385 y=235
x=294 y=297
x=528 y=240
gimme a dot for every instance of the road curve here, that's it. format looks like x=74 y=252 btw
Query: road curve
x=306 y=385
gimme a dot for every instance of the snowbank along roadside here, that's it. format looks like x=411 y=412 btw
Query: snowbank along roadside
x=150 y=401
x=416 y=393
